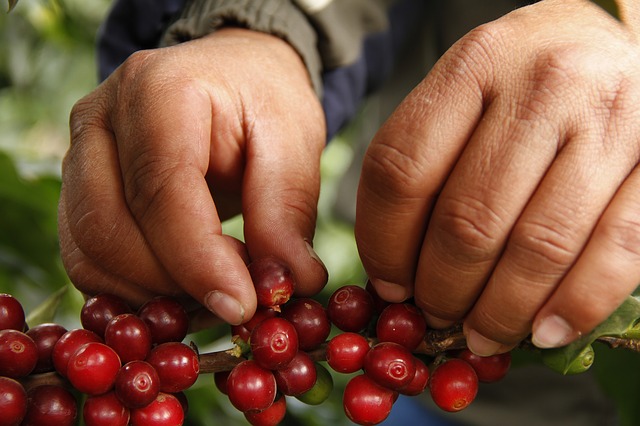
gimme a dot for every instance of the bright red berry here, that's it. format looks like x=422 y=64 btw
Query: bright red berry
x=92 y=369
x=311 y=321
x=420 y=380
x=251 y=387
x=45 y=336
x=365 y=402
x=18 y=354
x=346 y=352
x=453 y=385
x=98 y=310
x=11 y=313
x=489 y=369
x=13 y=402
x=129 y=336
x=402 y=323
x=243 y=331
x=68 y=344
x=50 y=405
x=350 y=308
x=166 y=318
x=177 y=365
x=274 y=343
x=105 y=410
x=165 y=410
x=298 y=376
x=390 y=364
x=271 y=416
x=272 y=280
x=137 y=384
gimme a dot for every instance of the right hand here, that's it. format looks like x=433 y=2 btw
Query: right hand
x=177 y=140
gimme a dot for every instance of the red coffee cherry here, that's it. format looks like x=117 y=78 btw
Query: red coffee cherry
x=420 y=380
x=68 y=344
x=18 y=354
x=105 y=410
x=271 y=416
x=298 y=376
x=220 y=379
x=390 y=365
x=272 y=280
x=311 y=321
x=453 y=385
x=11 y=313
x=402 y=323
x=177 y=365
x=50 y=405
x=98 y=310
x=45 y=336
x=365 y=402
x=92 y=369
x=251 y=387
x=129 y=336
x=137 y=384
x=489 y=369
x=243 y=331
x=350 y=308
x=274 y=343
x=166 y=318
x=165 y=410
x=346 y=352
x=13 y=402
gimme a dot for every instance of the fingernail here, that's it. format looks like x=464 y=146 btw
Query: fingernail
x=315 y=256
x=480 y=345
x=224 y=306
x=391 y=292
x=552 y=332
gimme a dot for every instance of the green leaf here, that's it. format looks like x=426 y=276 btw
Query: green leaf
x=46 y=311
x=610 y=6
x=12 y=4
x=621 y=323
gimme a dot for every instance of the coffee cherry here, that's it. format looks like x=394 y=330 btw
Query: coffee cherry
x=11 y=313
x=18 y=354
x=489 y=369
x=350 y=308
x=177 y=366
x=274 y=343
x=378 y=303
x=166 y=318
x=220 y=380
x=45 y=336
x=346 y=352
x=390 y=364
x=243 y=331
x=137 y=384
x=251 y=387
x=311 y=321
x=98 y=310
x=129 y=336
x=68 y=344
x=13 y=402
x=272 y=280
x=165 y=410
x=271 y=416
x=298 y=376
x=50 y=405
x=365 y=402
x=402 y=323
x=105 y=410
x=92 y=369
x=420 y=380
x=321 y=390
x=184 y=402
x=453 y=385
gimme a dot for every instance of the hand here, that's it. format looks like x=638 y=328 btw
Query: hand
x=504 y=191
x=174 y=142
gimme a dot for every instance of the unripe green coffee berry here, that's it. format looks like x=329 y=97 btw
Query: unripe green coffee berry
x=321 y=390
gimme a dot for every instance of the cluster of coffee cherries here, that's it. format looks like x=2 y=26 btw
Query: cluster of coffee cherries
x=378 y=343
x=128 y=368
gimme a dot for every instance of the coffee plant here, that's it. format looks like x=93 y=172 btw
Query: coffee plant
x=126 y=367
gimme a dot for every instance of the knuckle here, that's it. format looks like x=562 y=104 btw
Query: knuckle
x=624 y=233
x=537 y=243
x=475 y=227
x=504 y=326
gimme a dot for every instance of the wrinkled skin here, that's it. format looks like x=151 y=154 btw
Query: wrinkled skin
x=504 y=192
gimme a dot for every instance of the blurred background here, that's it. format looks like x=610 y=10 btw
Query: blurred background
x=47 y=62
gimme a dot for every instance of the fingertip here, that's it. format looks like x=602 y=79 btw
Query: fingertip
x=226 y=307
x=391 y=292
